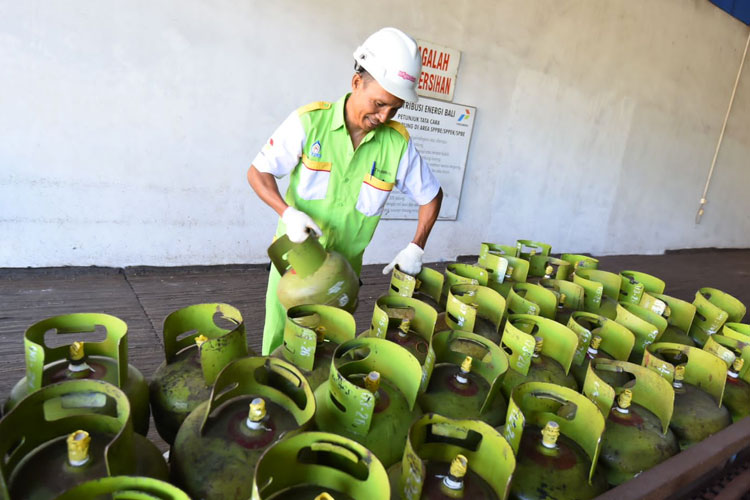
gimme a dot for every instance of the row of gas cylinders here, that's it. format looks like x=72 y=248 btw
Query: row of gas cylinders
x=431 y=401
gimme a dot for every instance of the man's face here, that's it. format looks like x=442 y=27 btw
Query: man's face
x=371 y=104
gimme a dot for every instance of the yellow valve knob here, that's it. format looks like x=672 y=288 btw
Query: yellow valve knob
x=459 y=466
x=320 y=332
x=200 y=339
x=257 y=410
x=532 y=252
x=324 y=496
x=372 y=382
x=596 y=342
x=550 y=433
x=466 y=365
x=509 y=271
x=738 y=364
x=76 y=351
x=679 y=372
x=548 y=270
x=78 y=448
x=539 y=344
x=405 y=325
x=624 y=399
x=562 y=298
x=417 y=284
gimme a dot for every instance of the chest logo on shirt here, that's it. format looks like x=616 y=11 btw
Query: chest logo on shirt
x=315 y=150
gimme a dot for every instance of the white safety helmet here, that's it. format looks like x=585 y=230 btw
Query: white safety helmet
x=392 y=58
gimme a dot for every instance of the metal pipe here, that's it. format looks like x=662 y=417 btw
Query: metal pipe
x=721 y=136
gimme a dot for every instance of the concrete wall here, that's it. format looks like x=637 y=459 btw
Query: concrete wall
x=127 y=126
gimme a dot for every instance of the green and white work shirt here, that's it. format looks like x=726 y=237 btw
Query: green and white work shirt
x=342 y=189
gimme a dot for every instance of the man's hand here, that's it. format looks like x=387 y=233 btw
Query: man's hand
x=298 y=225
x=408 y=260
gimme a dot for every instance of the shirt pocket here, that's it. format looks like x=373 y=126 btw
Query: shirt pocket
x=373 y=195
x=313 y=179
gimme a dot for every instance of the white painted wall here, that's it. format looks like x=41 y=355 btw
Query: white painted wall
x=127 y=126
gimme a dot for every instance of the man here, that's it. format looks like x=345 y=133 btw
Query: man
x=344 y=158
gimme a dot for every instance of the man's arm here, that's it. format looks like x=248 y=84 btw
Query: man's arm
x=426 y=218
x=264 y=185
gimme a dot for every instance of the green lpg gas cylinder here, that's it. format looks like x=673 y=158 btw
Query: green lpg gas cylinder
x=466 y=385
x=570 y=297
x=736 y=354
x=254 y=402
x=550 y=268
x=319 y=465
x=713 y=309
x=504 y=266
x=601 y=291
x=599 y=337
x=678 y=313
x=425 y=286
x=530 y=298
x=475 y=308
x=124 y=487
x=637 y=434
x=68 y=433
x=311 y=334
x=196 y=349
x=106 y=360
x=446 y=458
x=458 y=273
x=371 y=396
x=579 y=261
x=556 y=434
x=698 y=387
x=635 y=285
x=541 y=350
x=312 y=275
x=646 y=325
x=408 y=323
x=536 y=253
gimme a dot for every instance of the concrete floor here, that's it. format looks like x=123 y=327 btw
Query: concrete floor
x=143 y=297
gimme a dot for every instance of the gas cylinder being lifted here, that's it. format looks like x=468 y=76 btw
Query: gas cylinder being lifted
x=124 y=487
x=446 y=458
x=70 y=432
x=408 y=323
x=698 y=387
x=599 y=337
x=637 y=434
x=713 y=309
x=541 y=351
x=319 y=465
x=371 y=396
x=254 y=402
x=311 y=334
x=466 y=386
x=196 y=350
x=106 y=360
x=425 y=286
x=736 y=354
x=475 y=308
x=312 y=275
x=556 y=434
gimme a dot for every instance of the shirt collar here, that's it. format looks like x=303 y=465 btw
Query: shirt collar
x=338 y=112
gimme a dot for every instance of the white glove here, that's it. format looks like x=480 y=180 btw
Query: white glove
x=408 y=260
x=298 y=225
